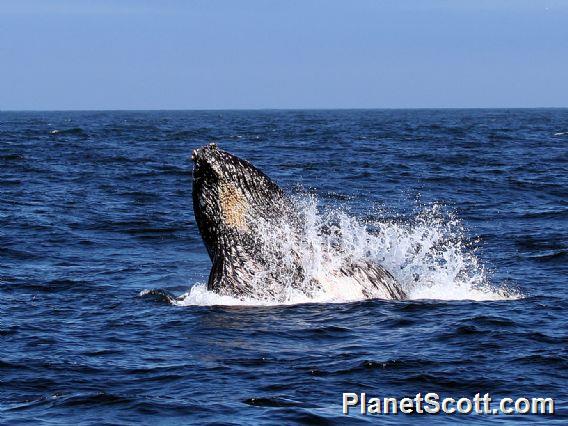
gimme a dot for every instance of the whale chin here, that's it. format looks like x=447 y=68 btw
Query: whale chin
x=254 y=235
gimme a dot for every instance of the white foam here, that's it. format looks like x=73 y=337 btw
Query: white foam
x=426 y=254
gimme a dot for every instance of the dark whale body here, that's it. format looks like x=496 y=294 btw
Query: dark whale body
x=252 y=232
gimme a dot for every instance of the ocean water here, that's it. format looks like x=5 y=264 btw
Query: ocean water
x=467 y=208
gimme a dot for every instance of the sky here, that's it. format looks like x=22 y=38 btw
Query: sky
x=250 y=54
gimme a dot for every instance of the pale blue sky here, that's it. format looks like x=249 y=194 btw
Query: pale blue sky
x=174 y=54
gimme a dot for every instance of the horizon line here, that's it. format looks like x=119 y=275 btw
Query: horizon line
x=277 y=109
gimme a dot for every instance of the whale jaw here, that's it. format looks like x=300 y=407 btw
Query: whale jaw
x=254 y=236
x=229 y=196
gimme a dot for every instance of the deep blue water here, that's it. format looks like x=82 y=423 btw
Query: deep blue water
x=96 y=207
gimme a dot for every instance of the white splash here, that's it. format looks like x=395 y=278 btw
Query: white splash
x=428 y=255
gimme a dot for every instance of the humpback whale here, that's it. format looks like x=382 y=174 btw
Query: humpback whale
x=254 y=235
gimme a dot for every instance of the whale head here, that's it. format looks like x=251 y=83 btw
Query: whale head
x=254 y=235
x=229 y=195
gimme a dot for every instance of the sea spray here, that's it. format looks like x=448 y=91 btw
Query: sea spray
x=428 y=254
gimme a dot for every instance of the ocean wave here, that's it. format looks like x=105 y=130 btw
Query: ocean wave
x=75 y=131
